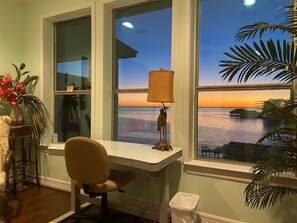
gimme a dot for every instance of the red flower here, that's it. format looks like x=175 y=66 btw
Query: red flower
x=11 y=92
x=20 y=87
x=8 y=95
x=5 y=79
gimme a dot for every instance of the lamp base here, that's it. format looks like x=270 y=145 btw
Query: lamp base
x=162 y=145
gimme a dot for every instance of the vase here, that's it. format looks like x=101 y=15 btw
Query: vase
x=17 y=116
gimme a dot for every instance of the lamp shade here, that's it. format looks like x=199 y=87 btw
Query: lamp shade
x=160 y=86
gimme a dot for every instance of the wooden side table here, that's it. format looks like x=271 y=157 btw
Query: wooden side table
x=23 y=134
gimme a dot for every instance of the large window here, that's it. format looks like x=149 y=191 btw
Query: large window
x=229 y=119
x=72 y=87
x=142 y=42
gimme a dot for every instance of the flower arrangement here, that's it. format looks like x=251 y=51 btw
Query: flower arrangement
x=12 y=91
x=20 y=93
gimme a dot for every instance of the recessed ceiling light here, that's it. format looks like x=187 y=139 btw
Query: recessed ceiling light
x=249 y=3
x=129 y=25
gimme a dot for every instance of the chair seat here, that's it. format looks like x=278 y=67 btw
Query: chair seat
x=116 y=180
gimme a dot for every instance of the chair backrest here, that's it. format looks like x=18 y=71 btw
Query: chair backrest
x=86 y=160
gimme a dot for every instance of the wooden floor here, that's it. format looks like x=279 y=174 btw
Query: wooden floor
x=41 y=205
x=36 y=205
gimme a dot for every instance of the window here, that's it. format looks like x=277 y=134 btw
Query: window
x=229 y=119
x=142 y=42
x=72 y=87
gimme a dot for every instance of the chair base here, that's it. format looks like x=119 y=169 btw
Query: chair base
x=97 y=218
x=103 y=217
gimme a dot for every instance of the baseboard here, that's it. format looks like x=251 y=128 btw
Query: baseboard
x=139 y=208
x=209 y=218
x=54 y=183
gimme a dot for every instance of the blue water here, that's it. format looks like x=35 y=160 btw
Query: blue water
x=139 y=124
x=215 y=126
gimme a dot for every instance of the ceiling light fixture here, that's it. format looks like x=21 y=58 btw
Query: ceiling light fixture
x=249 y=3
x=129 y=25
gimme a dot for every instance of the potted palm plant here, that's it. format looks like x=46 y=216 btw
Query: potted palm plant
x=19 y=94
x=276 y=59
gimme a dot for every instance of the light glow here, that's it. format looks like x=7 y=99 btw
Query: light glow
x=249 y=3
x=129 y=25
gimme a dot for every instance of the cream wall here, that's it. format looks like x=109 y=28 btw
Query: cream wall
x=11 y=47
x=11 y=37
x=20 y=40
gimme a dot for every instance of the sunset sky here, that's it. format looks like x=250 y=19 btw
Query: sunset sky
x=151 y=38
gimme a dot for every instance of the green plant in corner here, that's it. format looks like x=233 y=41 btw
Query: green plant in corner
x=19 y=93
x=277 y=59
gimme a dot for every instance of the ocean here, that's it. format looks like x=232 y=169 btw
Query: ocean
x=139 y=124
x=215 y=126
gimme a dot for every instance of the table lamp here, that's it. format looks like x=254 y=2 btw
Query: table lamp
x=160 y=89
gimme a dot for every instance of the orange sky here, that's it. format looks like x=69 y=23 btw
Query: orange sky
x=214 y=99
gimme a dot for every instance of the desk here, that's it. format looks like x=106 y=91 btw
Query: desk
x=134 y=155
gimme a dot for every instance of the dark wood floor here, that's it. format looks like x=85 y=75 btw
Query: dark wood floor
x=41 y=205
x=36 y=205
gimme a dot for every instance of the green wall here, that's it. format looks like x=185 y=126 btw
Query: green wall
x=11 y=38
x=20 y=41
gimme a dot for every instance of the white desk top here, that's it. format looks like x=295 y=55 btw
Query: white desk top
x=136 y=155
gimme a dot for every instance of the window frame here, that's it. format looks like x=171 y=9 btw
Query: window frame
x=65 y=92
x=237 y=172
x=115 y=90
x=47 y=52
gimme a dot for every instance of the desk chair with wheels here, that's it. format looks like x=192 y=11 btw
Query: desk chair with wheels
x=88 y=166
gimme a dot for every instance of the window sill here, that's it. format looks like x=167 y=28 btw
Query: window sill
x=226 y=171
x=232 y=172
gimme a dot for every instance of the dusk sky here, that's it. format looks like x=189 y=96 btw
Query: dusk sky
x=151 y=38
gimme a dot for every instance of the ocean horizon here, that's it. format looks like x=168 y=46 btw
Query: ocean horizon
x=215 y=126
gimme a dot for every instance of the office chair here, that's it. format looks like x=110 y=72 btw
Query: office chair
x=87 y=164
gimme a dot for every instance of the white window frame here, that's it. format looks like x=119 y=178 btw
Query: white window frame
x=222 y=170
x=122 y=91
x=47 y=52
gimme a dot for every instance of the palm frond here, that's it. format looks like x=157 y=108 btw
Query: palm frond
x=263 y=197
x=38 y=114
x=289 y=16
x=250 y=31
x=287 y=24
x=282 y=122
x=277 y=59
x=264 y=59
x=260 y=193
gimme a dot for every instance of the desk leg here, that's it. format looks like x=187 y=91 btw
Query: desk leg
x=75 y=196
x=164 y=196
